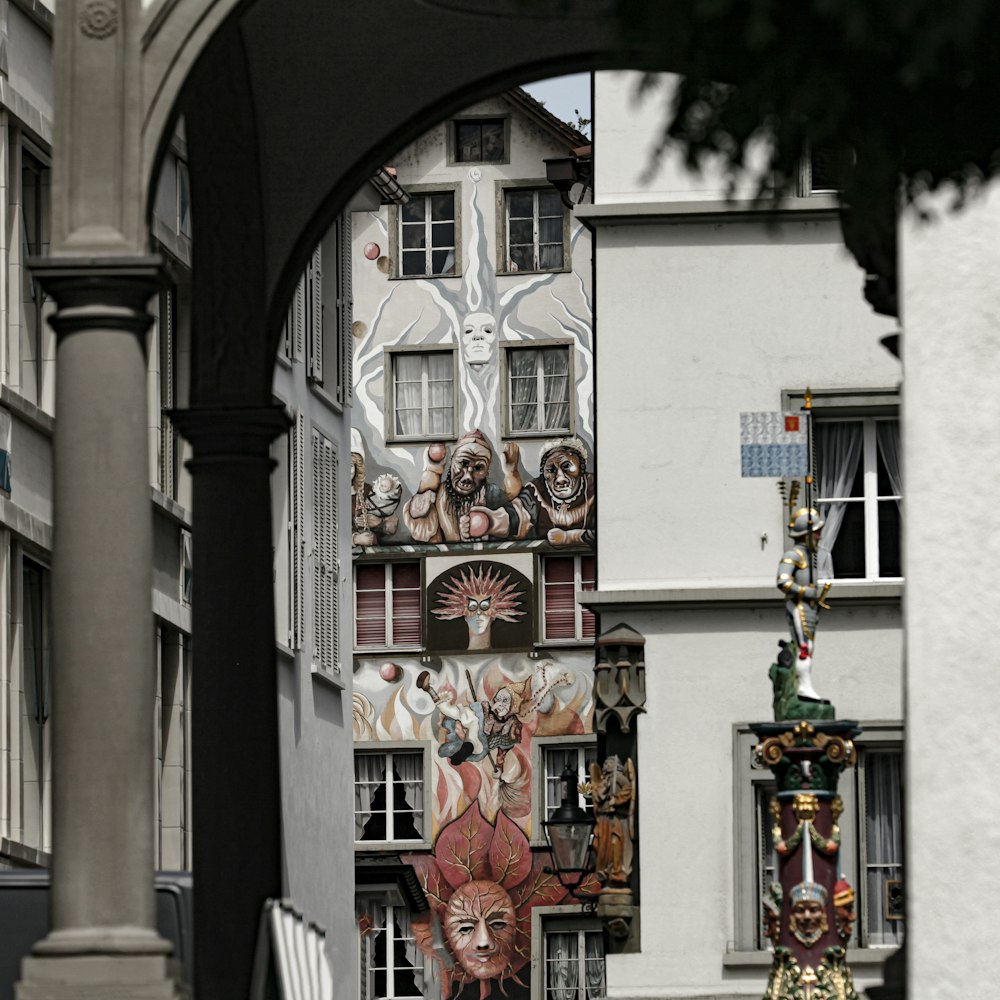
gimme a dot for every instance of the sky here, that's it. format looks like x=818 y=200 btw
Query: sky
x=563 y=94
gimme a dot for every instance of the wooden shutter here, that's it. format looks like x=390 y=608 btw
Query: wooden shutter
x=345 y=313
x=405 y=604
x=326 y=566
x=314 y=314
x=560 y=598
x=297 y=533
x=588 y=581
x=168 y=437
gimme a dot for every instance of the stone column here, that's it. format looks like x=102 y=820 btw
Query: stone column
x=236 y=766
x=951 y=467
x=102 y=937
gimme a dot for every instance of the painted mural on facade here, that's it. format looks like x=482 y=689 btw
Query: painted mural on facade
x=491 y=483
x=480 y=715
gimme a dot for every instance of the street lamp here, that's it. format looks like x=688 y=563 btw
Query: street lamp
x=569 y=832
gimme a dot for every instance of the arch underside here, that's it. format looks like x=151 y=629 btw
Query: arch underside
x=290 y=107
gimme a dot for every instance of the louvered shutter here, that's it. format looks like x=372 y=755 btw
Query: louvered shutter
x=370 y=606
x=560 y=598
x=297 y=533
x=168 y=436
x=298 y=319
x=588 y=581
x=405 y=604
x=314 y=319
x=326 y=567
x=345 y=313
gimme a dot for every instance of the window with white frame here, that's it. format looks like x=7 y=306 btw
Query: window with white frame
x=538 y=390
x=166 y=331
x=387 y=605
x=563 y=618
x=36 y=700
x=392 y=966
x=427 y=235
x=573 y=962
x=535 y=229
x=859 y=480
x=480 y=140
x=871 y=839
x=423 y=394
x=35 y=346
x=556 y=757
x=388 y=796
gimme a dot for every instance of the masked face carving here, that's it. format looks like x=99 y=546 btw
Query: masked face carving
x=469 y=469
x=502 y=703
x=479 y=924
x=808 y=921
x=479 y=334
x=478 y=614
x=562 y=473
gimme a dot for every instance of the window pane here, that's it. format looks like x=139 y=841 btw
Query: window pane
x=413 y=210
x=562 y=966
x=520 y=233
x=443 y=234
x=414 y=262
x=468 y=145
x=369 y=797
x=849 y=549
x=520 y=204
x=442 y=207
x=406 y=575
x=550 y=257
x=890 y=561
x=549 y=203
x=442 y=261
x=555 y=361
x=550 y=231
x=522 y=363
x=493 y=144
x=883 y=846
x=522 y=259
x=414 y=236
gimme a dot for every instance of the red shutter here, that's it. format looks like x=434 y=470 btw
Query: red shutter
x=560 y=598
x=588 y=581
x=370 y=606
x=406 y=604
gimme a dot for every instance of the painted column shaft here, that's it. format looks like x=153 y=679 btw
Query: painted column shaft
x=235 y=780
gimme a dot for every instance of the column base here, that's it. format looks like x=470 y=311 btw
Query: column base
x=100 y=977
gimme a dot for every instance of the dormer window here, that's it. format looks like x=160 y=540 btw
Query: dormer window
x=480 y=140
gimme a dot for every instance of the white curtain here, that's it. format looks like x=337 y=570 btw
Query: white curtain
x=369 y=777
x=406 y=370
x=887 y=436
x=408 y=773
x=838 y=451
x=554 y=370
x=562 y=966
x=595 y=965
x=440 y=393
x=523 y=390
x=883 y=845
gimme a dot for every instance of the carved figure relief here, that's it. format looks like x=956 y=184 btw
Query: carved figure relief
x=613 y=791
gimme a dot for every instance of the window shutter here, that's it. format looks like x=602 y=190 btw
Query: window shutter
x=298 y=319
x=297 y=532
x=588 y=581
x=560 y=598
x=405 y=604
x=345 y=313
x=326 y=567
x=168 y=437
x=314 y=320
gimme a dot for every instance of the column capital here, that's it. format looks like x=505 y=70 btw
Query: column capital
x=105 y=293
x=235 y=433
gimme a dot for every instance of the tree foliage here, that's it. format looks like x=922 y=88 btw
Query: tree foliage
x=908 y=90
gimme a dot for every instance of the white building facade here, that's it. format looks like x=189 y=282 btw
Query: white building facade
x=706 y=310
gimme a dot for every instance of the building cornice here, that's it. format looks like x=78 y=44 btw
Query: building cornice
x=815 y=208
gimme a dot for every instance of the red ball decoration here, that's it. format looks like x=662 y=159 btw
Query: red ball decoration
x=436 y=452
x=479 y=524
x=372 y=250
x=389 y=672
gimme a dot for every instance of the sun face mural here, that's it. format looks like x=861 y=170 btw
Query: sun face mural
x=482 y=882
x=480 y=594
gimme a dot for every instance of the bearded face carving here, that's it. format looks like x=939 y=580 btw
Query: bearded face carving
x=479 y=334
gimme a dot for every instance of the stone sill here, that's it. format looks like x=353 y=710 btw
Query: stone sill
x=715 y=211
x=25 y=855
x=867 y=958
x=709 y=594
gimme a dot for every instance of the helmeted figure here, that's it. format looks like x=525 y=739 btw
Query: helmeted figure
x=803 y=596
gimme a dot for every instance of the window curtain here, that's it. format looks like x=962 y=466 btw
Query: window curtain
x=883 y=844
x=369 y=780
x=408 y=775
x=440 y=389
x=887 y=436
x=408 y=980
x=562 y=967
x=838 y=451
x=523 y=390
x=406 y=371
x=595 y=965
x=555 y=371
